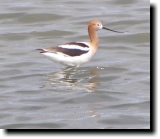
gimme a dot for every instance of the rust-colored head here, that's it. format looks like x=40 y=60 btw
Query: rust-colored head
x=95 y=24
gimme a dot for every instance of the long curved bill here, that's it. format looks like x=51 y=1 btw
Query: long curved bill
x=112 y=30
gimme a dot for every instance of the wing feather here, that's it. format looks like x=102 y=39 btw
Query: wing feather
x=70 y=49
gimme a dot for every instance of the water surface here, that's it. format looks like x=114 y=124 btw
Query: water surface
x=111 y=91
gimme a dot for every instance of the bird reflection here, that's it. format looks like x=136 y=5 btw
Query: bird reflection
x=75 y=79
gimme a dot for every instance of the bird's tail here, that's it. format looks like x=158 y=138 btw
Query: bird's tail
x=41 y=50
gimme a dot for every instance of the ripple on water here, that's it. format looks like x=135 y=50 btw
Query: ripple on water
x=33 y=125
x=39 y=17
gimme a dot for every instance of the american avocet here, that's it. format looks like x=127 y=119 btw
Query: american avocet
x=77 y=53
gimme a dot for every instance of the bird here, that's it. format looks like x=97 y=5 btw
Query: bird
x=75 y=54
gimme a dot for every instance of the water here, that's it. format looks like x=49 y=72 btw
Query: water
x=111 y=91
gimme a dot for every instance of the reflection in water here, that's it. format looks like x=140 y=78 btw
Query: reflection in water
x=75 y=79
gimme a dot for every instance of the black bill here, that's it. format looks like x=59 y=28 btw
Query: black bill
x=112 y=30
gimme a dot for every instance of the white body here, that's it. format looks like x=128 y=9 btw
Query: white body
x=71 y=60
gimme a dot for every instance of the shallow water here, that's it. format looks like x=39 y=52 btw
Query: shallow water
x=111 y=91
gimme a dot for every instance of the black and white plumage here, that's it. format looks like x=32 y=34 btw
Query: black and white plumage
x=71 y=54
